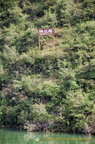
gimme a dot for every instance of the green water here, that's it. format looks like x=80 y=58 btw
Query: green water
x=20 y=137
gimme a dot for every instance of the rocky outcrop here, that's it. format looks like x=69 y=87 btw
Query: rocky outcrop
x=36 y=126
x=89 y=129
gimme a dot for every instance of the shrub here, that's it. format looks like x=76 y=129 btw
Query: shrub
x=49 y=19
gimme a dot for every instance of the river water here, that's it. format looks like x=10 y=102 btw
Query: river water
x=22 y=137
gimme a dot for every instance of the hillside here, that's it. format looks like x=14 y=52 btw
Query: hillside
x=51 y=89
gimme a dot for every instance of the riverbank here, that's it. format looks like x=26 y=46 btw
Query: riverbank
x=22 y=137
x=47 y=127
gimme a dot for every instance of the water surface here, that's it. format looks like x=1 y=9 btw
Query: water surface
x=22 y=137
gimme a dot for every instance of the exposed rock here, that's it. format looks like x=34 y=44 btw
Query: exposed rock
x=89 y=129
x=37 y=126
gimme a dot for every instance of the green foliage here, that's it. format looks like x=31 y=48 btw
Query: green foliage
x=49 y=19
x=76 y=113
x=39 y=113
x=5 y=4
x=56 y=83
x=2 y=76
x=64 y=12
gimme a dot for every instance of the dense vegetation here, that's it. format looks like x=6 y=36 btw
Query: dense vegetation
x=55 y=84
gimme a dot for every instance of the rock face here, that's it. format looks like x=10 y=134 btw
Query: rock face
x=89 y=129
x=31 y=126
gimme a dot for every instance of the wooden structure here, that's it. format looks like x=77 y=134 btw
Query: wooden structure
x=46 y=32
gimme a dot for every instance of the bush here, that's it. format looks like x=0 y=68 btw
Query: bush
x=75 y=114
x=49 y=19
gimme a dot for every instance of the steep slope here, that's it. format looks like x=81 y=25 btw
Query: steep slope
x=54 y=88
